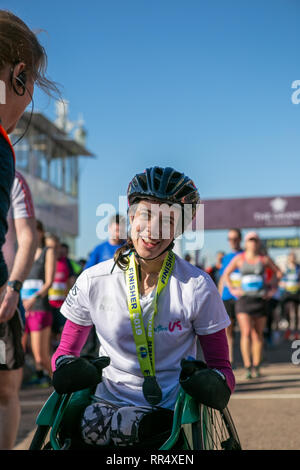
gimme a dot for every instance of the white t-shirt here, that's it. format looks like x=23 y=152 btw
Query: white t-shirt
x=21 y=207
x=189 y=305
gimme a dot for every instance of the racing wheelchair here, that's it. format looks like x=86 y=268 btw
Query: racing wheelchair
x=194 y=427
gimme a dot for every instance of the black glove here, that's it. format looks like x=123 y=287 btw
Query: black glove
x=207 y=386
x=76 y=373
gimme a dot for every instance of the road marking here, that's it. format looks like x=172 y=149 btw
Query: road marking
x=262 y=396
x=274 y=377
x=282 y=377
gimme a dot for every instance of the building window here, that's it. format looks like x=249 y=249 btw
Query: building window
x=38 y=158
x=56 y=173
x=71 y=176
x=68 y=175
x=74 y=177
x=22 y=154
x=39 y=165
x=44 y=167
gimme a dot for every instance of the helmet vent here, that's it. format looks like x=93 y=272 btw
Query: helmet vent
x=143 y=182
x=156 y=182
x=182 y=193
x=175 y=180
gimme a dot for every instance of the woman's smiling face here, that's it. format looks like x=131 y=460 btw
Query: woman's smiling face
x=153 y=227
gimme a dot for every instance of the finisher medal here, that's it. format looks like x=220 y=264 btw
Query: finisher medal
x=152 y=391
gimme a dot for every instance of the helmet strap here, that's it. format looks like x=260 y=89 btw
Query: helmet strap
x=169 y=247
x=138 y=257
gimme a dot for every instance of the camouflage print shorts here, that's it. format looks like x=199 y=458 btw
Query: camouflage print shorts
x=103 y=424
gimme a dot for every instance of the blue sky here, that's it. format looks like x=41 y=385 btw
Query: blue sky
x=204 y=86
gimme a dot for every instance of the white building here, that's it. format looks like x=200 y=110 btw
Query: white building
x=48 y=157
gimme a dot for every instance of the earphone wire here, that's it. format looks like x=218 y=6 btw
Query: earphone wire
x=31 y=113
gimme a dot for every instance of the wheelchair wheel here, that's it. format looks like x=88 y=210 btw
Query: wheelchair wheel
x=38 y=441
x=214 y=430
x=218 y=430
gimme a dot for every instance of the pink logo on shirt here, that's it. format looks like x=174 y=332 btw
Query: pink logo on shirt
x=172 y=325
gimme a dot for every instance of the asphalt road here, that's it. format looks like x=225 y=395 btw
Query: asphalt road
x=265 y=410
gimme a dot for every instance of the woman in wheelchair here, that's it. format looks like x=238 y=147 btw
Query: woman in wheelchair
x=148 y=306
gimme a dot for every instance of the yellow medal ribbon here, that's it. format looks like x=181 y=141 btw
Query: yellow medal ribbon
x=145 y=341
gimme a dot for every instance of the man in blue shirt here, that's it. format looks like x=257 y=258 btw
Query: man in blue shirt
x=107 y=249
x=234 y=239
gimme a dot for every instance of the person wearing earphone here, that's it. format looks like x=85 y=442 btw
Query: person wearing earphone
x=23 y=63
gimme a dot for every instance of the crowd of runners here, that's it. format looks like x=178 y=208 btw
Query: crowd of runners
x=261 y=299
x=49 y=302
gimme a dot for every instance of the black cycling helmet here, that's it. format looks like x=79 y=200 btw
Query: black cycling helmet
x=163 y=184
x=167 y=186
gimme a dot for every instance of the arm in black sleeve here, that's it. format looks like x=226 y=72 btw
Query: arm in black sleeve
x=7 y=172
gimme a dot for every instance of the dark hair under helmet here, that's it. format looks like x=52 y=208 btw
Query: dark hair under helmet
x=163 y=184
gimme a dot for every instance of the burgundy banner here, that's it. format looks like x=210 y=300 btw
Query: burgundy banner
x=260 y=212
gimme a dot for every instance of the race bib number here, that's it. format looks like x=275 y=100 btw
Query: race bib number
x=292 y=283
x=252 y=283
x=31 y=287
x=293 y=288
x=235 y=279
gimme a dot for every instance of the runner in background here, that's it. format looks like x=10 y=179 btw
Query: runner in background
x=234 y=240
x=38 y=312
x=64 y=279
x=272 y=303
x=82 y=263
x=290 y=299
x=52 y=241
x=74 y=266
x=107 y=249
x=271 y=309
x=214 y=271
x=253 y=295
